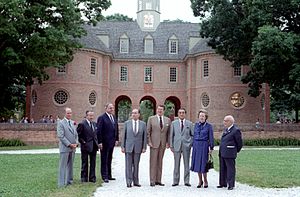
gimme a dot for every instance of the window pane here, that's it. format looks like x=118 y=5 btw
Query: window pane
x=148 y=74
x=124 y=73
x=237 y=71
x=173 y=46
x=124 y=45
x=61 y=69
x=173 y=74
x=93 y=66
x=205 y=68
x=149 y=46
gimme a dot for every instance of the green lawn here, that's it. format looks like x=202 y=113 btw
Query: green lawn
x=267 y=168
x=26 y=147
x=36 y=175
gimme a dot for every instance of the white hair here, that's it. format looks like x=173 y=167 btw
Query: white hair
x=230 y=117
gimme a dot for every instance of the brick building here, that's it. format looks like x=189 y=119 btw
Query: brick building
x=148 y=60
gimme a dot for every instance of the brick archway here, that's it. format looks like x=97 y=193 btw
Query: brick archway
x=176 y=102
x=153 y=101
x=123 y=112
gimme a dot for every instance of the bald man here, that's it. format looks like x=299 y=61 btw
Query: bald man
x=231 y=144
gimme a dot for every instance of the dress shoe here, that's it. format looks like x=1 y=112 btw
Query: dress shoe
x=187 y=184
x=174 y=184
x=152 y=184
x=199 y=186
x=137 y=185
x=92 y=181
x=105 y=180
x=221 y=186
x=205 y=185
x=160 y=184
x=129 y=185
x=230 y=188
x=112 y=179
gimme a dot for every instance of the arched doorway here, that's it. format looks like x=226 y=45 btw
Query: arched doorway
x=147 y=107
x=172 y=104
x=123 y=108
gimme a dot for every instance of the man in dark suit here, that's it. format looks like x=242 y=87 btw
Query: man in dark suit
x=134 y=142
x=108 y=138
x=68 y=141
x=89 y=146
x=231 y=144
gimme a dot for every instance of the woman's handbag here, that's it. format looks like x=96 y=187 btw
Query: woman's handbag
x=210 y=163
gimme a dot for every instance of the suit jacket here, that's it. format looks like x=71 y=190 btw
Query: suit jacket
x=155 y=134
x=107 y=132
x=67 y=135
x=231 y=143
x=134 y=142
x=178 y=137
x=87 y=136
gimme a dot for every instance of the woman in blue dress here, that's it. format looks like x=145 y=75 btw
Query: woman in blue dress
x=203 y=145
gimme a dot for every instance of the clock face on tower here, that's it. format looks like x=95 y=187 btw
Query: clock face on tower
x=148 y=20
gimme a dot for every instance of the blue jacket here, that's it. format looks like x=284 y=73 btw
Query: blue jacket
x=231 y=143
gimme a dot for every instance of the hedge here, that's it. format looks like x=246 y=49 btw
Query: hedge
x=11 y=142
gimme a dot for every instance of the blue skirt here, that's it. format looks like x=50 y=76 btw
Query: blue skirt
x=199 y=156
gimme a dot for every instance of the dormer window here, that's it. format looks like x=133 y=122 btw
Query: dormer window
x=148 y=48
x=124 y=44
x=173 y=45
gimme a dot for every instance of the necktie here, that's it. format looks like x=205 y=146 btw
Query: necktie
x=160 y=122
x=111 y=119
x=135 y=127
x=91 y=126
x=182 y=125
x=71 y=129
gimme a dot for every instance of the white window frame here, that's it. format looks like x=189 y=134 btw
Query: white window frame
x=93 y=66
x=148 y=48
x=237 y=71
x=173 y=46
x=123 y=73
x=61 y=70
x=124 y=45
x=148 y=74
x=173 y=78
x=205 y=68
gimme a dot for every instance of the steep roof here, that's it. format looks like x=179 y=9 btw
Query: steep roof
x=114 y=30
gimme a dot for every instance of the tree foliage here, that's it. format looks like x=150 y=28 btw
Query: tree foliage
x=264 y=34
x=38 y=34
x=118 y=17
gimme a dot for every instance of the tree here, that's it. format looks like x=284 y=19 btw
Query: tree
x=264 y=34
x=35 y=35
x=118 y=17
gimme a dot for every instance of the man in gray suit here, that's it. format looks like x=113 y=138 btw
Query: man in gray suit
x=134 y=142
x=68 y=141
x=181 y=139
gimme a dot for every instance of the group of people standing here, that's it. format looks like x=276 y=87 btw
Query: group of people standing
x=159 y=133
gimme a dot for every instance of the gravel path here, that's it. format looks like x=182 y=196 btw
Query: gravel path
x=118 y=187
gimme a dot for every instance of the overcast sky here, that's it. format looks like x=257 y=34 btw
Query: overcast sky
x=170 y=9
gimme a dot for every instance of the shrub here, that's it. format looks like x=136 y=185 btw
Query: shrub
x=11 y=142
x=268 y=142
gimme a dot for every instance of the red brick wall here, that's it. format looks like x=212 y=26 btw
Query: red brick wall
x=45 y=134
